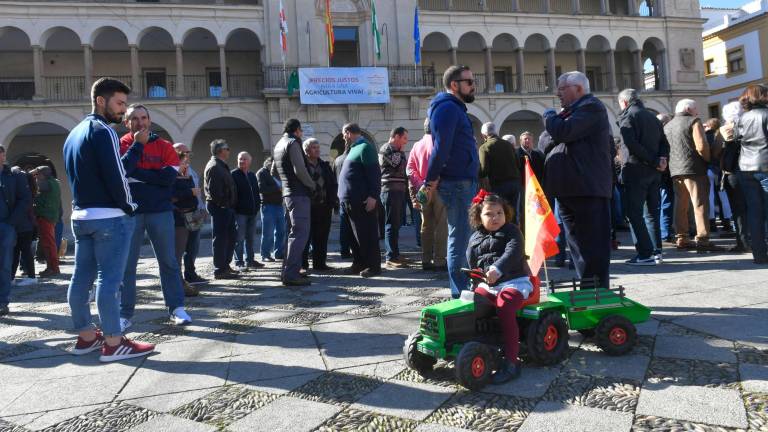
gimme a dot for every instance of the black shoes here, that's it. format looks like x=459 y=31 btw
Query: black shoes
x=226 y=275
x=254 y=264
x=194 y=279
x=4 y=310
x=302 y=281
x=507 y=372
x=370 y=272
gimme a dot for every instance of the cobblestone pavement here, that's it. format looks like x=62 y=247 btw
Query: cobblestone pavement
x=328 y=357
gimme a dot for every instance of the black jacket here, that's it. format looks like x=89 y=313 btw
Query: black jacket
x=14 y=190
x=643 y=135
x=580 y=165
x=220 y=188
x=502 y=249
x=248 y=195
x=537 y=163
x=268 y=187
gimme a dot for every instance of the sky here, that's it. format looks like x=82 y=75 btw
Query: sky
x=723 y=3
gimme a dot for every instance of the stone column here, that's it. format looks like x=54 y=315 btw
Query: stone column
x=551 y=76
x=515 y=5
x=180 y=87
x=581 y=61
x=454 y=56
x=88 y=69
x=547 y=7
x=604 y=9
x=639 y=76
x=576 y=6
x=631 y=8
x=136 y=86
x=610 y=61
x=664 y=76
x=489 y=87
x=223 y=71
x=37 y=68
x=520 y=70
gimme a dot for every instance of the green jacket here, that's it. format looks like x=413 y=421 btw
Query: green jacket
x=48 y=203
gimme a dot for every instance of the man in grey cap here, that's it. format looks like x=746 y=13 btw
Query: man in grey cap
x=220 y=198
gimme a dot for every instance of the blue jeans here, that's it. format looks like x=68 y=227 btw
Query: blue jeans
x=101 y=253
x=59 y=233
x=755 y=188
x=161 y=232
x=667 y=196
x=394 y=211
x=246 y=238
x=457 y=196
x=7 y=244
x=272 y=230
x=345 y=233
x=641 y=206
x=190 y=253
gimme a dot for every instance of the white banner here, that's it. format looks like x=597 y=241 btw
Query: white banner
x=357 y=85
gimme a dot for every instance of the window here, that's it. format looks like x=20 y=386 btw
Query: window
x=501 y=78
x=714 y=110
x=155 y=83
x=736 y=62
x=709 y=66
x=214 y=82
x=345 y=49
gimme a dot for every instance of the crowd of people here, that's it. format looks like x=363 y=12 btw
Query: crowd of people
x=651 y=174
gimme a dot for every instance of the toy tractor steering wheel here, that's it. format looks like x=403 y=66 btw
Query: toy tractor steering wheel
x=476 y=276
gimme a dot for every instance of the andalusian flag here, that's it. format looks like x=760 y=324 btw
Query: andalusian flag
x=375 y=31
x=540 y=225
x=329 y=28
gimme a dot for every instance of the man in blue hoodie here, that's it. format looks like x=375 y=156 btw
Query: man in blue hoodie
x=454 y=165
x=578 y=172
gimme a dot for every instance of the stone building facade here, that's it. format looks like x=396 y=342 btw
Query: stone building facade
x=172 y=53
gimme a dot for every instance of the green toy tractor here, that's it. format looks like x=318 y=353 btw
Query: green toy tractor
x=467 y=329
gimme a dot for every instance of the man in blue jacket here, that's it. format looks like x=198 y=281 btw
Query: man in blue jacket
x=454 y=165
x=102 y=222
x=246 y=211
x=14 y=201
x=578 y=173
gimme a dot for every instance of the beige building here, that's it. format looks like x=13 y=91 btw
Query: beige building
x=735 y=51
x=172 y=53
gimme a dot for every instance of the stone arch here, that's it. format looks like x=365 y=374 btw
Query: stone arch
x=521 y=121
x=192 y=126
x=111 y=54
x=652 y=59
x=199 y=38
x=11 y=36
x=16 y=46
x=597 y=63
x=246 y=58
x=470 y=52
x=504 y=47
x=155 y=38
x=436 y=52
x=535 y=50
x=624 y=61
x=65 y=33
x=241 y=135
x=245 y=31
x=567 y=49
x=18 y=121
x=337 y=144
x=98 y=38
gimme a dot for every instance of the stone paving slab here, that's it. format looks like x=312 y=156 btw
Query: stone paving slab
x=533 y=382
x=629 y=366
x=40 y=421
x=168 y=423
x=739 y=324
x=716 y=406
x=754 y=378
x=286 y=413
x=555 y=417
x=156 y=378
x=404 y=399
x=694 y=348
x=168 y=402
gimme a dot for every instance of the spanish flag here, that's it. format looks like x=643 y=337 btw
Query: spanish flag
x=329 y=28
x=540 y=225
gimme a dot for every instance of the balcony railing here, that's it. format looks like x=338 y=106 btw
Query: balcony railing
x=17 y=88
x=64 y=88
x=535 y=83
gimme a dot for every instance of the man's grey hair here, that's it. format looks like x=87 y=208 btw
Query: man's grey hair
x=510 y=138
x=244 y=153
x=575 y=78
x=427 y=127
x=308 y=142
x=683 y=105
x=2 y=148
x=488 y=129
x=133 y=107
x=628 y=95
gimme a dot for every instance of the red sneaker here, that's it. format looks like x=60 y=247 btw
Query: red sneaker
x=83 y=347
x=125 y=350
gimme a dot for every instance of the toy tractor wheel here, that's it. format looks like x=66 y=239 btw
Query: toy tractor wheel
x=547 y=339
x=416 y=359
x=616 y=335
x=474 y=365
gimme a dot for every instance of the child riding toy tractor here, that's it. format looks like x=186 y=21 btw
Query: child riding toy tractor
x=467 y=329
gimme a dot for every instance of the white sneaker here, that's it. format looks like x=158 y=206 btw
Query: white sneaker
x=22 y=282
x=125 y=324
x=180 y=317
x=658 y=258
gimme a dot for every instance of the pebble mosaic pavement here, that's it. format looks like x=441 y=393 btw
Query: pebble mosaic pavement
x=327 y=357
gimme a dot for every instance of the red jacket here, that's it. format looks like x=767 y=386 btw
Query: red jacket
x=152 y=180
x=157 y=154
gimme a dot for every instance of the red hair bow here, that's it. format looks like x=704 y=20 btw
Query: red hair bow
x=480 y=196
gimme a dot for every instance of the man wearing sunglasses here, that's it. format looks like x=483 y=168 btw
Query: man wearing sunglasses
x=454 y=165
